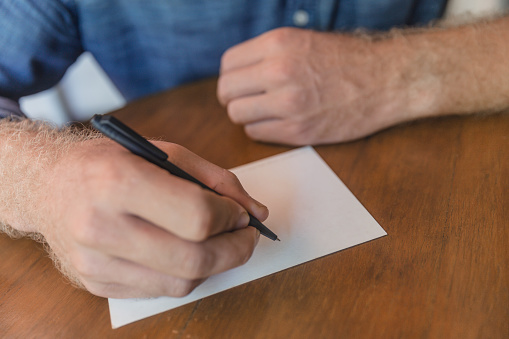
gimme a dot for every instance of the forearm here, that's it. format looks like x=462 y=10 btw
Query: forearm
x=456 y=70
x=28 y=150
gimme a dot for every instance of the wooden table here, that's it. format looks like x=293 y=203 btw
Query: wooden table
x=439 y=187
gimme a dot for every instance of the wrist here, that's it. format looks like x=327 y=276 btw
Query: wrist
x=411 y=76
x=28 y=150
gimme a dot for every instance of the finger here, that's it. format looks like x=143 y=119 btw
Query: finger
x=159 y=286
x=277 y=131
x=122 y=291
x=240 y=82
x=241 y=55
x=256 y=49
x=278 y=73
x=248 y=110
x=219 y=179
x=184 y=208
x=118 y=278
x=152 y=247
x=191 y=260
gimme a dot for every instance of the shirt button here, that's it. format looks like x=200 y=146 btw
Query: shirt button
x=300 y=18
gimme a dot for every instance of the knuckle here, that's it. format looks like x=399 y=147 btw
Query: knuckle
x=246 y=258
x=229 y=178
x=281 y=70
x=201 y=223
x=248 y=248
x=248 y=252
x=194 y=263
x=280 y=36
x=179 y=288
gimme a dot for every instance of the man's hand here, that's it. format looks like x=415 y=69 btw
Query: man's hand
x=127 y=228
x=299 y=87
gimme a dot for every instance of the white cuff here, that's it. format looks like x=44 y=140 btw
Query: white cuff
x=9 y=108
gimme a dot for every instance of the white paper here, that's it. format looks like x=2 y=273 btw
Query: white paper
x=311 y=210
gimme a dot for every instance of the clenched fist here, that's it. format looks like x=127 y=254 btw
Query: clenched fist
x=299 y=87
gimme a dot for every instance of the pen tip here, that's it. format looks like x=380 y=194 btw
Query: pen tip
x=278 y=239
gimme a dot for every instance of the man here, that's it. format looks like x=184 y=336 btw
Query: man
x=122 y=227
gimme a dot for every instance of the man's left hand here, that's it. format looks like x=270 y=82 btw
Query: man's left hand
x=300 y=87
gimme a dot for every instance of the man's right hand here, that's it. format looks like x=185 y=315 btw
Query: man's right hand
x=124 y=227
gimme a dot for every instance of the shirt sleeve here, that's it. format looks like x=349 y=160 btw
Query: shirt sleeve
x=39 y=40
x=9 y=108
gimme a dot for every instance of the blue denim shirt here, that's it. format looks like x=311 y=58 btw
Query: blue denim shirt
x=147 y=46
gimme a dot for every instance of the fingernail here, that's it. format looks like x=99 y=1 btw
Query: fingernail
x=257 y=237
x=243 y=220
x=262 y=208
x=259 y=204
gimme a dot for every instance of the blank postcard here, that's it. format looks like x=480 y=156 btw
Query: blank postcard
x=311 y=211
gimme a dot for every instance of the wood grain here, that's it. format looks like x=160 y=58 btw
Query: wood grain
x=439 y=187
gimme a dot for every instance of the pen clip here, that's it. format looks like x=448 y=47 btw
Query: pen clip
x=118 y=131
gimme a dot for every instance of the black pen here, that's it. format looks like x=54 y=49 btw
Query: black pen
x=125 y=136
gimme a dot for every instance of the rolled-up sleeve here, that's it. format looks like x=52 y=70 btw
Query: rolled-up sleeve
x=39 y=40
